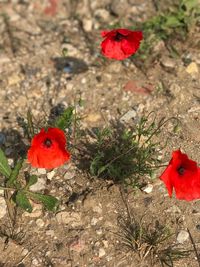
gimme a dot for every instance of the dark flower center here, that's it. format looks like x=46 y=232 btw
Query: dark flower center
x=118 y=37
x=47 y=142
x=181 y=170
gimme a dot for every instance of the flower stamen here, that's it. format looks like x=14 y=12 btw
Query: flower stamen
x=181 y=170
x=47 y=142
x=119 y=37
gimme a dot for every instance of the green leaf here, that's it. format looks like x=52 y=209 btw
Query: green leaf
x=22 y=201
x=49 y=202
x=64 y=121
x=30 y=124
x=101 y=170
x=189 y=4
x=172 y=22
x=4 y=167
x=31 y=180
x=15 y=172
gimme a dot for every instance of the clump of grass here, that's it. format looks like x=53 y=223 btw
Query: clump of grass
x=151 y=242
x=171 y=25
x=124 y=155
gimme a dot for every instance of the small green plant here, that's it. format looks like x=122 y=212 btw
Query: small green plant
x=150 y=242
x=173 y=24
x=18 y=190
x=17 y=184
x=126 y=155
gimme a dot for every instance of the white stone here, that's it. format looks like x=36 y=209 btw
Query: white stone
x=182 y=236
x=102 y=252
x=3 y=207
x=87 y=24
x=10 y=162
x=148 y=189
x=94 y=221
x=99 y=232
x=41 y=171
x=40 y=223
x=50 y=175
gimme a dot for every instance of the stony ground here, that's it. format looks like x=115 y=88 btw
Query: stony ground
x=85 y=232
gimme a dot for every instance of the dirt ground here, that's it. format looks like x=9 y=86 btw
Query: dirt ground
x=86 y=230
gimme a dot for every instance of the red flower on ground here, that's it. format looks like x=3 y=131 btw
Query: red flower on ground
x=183 y=175
x=48 y=149
x=120 y=43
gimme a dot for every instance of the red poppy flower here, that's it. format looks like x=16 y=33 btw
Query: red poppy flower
x=48 y=149
x=120 y=43
x=183 y=175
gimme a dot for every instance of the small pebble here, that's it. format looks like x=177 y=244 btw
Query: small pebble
x=102 y=252
x=50 y=175
x=41 y=171
x=182 y=236
x=40 y=223
x=99 y=232
x=148 y=189
x=94 y=221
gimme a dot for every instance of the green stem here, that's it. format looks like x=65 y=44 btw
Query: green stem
x=159 y=166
